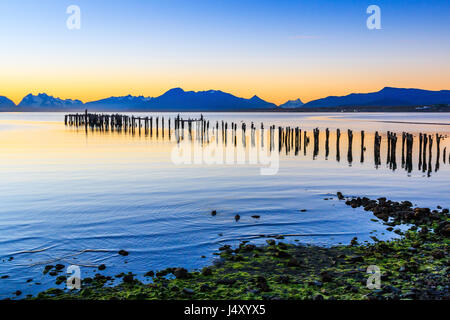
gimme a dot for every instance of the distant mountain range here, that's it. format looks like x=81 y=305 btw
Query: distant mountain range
x=386 y=97
x=177 y=99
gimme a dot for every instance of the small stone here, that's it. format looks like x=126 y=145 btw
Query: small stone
x=326 y=277
x=47 y=268
x=228 y=282
x=149 y=274
x=60 y=279
x=354 y=259
x=101 y=267
x=123 y=252
x=205 y=288
x=206 y=272
x=18 y=293
x=188 y=291
x=129 y=278
x=444 y=229
x=316 y=283
x=59 y=267
x=293 y=263
x=181 y=273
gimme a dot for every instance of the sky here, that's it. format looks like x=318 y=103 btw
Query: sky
x=276 y=49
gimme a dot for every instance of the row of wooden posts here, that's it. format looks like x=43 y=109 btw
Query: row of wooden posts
x=289 y=138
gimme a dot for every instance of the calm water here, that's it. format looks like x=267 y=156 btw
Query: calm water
x=75 y=198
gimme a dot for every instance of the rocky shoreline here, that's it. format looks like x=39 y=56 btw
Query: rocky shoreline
x=416 y=266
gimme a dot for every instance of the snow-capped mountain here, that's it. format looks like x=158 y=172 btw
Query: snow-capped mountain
x=43 y=102
x=291 y=104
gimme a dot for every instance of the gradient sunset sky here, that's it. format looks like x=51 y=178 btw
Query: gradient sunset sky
x=278 y=50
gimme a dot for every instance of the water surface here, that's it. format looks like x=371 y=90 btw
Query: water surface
x=64 y=191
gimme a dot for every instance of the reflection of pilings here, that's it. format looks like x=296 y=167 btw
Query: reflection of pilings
x=272 y=137
x=376 y=149
x=151 y=126
x=338 y=138
x=244 y=126
x=388 y=156
x=350 y=146
x=316 y=133
x=252 y=134
x=305 y=142
x=438 y=151
x=157 y=126
x=424 y=152
x=403 y=148
x=280 y=136
x=409 y=149
x=363 y=148
x=420 y=150
x=289 y=138
x=392 y=147
x=262 y=135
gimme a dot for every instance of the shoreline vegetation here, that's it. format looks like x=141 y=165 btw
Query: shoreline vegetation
x=415 y=266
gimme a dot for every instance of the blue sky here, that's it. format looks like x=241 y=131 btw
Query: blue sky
x=278 y=50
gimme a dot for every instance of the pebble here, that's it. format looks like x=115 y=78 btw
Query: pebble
x=188 y=291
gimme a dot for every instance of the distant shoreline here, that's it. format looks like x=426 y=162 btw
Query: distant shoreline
x=444 y=110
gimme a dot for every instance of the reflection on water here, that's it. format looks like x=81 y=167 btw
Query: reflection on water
x=286 y=140
x=76 y=196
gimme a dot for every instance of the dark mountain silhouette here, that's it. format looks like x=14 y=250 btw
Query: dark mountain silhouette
x=179 y=100
x=6 y=104
x=44 y=102
x=292 y=104
x=386 y=97
x=128 y=102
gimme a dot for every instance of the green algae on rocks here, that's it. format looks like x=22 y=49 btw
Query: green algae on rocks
x=415 y=266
